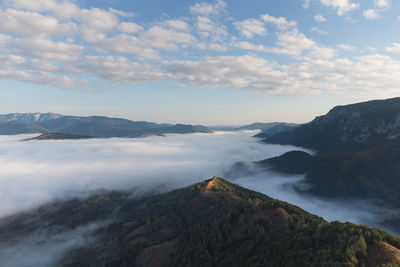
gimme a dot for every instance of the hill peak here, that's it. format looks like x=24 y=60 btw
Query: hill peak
x=217 y=184
x=231 y=226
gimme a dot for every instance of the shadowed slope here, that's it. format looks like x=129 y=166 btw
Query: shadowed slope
x=213 y=223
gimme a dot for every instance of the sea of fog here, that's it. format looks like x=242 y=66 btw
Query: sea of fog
x=36 y=172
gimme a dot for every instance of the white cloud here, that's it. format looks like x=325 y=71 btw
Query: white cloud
x=28 y=23
x=168 y=39
x=128 y=44
x=294 y=43
x=291 y=43
x=47 y=49
x=207 y=9
x=168 y=35
x=346 y=47
x=129 y=27
x=11 y=68
x=250 y=27
x=62 y=10
x=249 y=46
x=99 y=19
x=318 y=30
x=208 y=29
x=342 y=6
x=41 y=46
x=17 y=59
x=306 y=3
x=4 y=42
x=319 y=52
x=177 y=24
x=394 y=48
x=280 y=22
x=382 y=3
x=93 y=23
x=211 y=46
x=365 y=75
x=119 y=70
x=371 y=14
x=319 y=18
x=38 y=5
x=42 y=65
x=246 y=72
x=380 y=6
x=121 y=13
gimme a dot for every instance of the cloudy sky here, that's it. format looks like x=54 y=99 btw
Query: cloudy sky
x=212 y=62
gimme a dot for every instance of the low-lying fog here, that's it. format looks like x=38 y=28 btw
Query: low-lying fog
x=36 y=172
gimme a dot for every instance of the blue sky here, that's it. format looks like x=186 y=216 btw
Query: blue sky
x=208 y=62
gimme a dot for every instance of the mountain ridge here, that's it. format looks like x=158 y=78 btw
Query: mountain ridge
x=357 y=154
x=346 y=127
x=212 y=223
x=99 y=126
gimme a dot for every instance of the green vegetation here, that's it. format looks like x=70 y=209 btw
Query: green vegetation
x=60 y=136
x=17 y=127
x=213 y=223
x=279 y=128
x=358 y=153
x=345 y=128
x=368 y=173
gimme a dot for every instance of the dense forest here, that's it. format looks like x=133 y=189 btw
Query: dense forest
x=213 y=223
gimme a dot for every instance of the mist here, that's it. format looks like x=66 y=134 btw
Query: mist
x=42 y=248
x=33 y=173
x=282 y=187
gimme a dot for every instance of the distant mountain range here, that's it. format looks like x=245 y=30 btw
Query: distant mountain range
x=213 y=223
x=265 y=127
x=94 y=126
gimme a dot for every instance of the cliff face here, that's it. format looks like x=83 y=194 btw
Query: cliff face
x=362 y=122
x=346 y=127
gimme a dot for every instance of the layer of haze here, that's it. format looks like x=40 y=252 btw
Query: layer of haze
x=281 y=187
x=36 y=172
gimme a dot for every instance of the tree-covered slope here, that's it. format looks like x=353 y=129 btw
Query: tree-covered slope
x=369 y=173
x=276 y=129
x=346 y=127
x=359 y=152
x=60 y=136
x=17 y=127
x=213 y=223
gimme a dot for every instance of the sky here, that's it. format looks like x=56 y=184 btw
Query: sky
x=203 y=62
